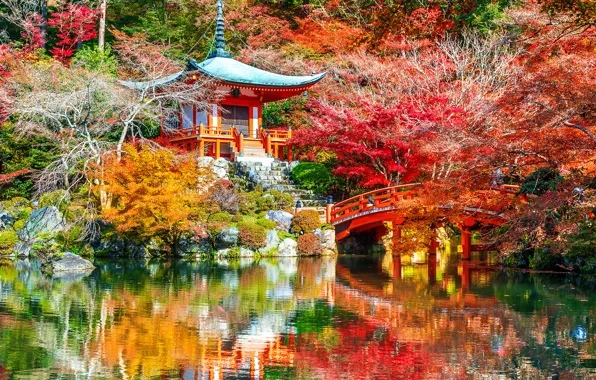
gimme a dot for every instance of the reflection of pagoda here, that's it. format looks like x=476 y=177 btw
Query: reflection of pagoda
x=233 y=128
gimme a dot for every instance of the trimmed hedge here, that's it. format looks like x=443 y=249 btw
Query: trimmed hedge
x=309 y=245
x=252 y=235
x=306 y=221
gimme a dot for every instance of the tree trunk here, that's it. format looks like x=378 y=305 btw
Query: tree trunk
x=44 y=24
x=102 y=24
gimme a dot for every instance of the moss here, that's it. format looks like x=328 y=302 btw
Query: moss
x=8 y=240
x=252 y=236
x=57 y=198
x=266 y=223
x=306 y=221
x=282 y=235
x=258 y=202
x=19 y=224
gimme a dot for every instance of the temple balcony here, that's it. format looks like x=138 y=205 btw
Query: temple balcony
x=231 y=142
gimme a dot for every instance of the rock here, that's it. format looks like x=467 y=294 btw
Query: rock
x=281 y=218
x=351 y=245
x=44 y=220
x=272 y=242
x=69 y=263
x=136 y=250
x=292 y=165
x=194 y=246
x=327 y=239
x=6 y=220
x=228 y=238
x=23 y=249
x=205 y=161
x=219 y=167
x=246 y=253
x=287 y=248
x=222 y=253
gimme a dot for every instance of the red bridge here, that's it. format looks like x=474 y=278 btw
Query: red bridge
x=368 y=211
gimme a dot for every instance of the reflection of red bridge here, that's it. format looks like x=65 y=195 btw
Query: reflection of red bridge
x=368 y=211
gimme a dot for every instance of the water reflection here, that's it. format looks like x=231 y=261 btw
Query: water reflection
x=349 y=317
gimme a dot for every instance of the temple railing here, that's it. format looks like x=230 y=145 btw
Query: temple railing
x=388 y=197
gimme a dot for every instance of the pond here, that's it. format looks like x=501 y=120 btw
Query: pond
x=356 y=317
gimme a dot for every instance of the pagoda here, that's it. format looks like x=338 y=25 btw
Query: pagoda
x=232 y=128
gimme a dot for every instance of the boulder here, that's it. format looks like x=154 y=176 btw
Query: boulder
x=44 y=220
x=327 y=239
x=281 y=218
x=246 y=253
x=228 y=238
x=287 y=248
x=194 y=246
x=272 y=242
x=6 y=220
x=219 y=167
x=68 y=263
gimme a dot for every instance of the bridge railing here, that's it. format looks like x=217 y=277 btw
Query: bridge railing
x=386 y=198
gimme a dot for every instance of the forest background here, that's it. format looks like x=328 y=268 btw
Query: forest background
x=458 y=95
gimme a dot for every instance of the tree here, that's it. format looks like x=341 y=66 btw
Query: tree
x=156 y=193
x=75 y=24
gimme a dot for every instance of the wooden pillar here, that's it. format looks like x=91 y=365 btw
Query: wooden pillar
x=434 y=244
x=290 y=157
x=328 y=209
x=466 y=242
x=432 y=269
x=466 y=277
x=201 y=148
x=217 y=149
x=396 y=227
x=396 y=267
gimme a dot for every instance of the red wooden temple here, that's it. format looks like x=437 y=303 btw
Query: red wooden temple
x=233 y=128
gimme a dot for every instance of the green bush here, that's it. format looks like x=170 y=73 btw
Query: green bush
x=520 y=258
x=218 y=222
x=258 y=202
x=95 y=60
x=581 y=256
x=313 y=176
x=541 y=181
x=57 y=198
x=545 y=259
x=305 y=221
x=8 y=240
x=266 y=223
x=252 y=235
x=19 y=224
x=309 y=245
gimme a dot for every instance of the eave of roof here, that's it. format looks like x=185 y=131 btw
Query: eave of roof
x=229 y=70
x=154 y=83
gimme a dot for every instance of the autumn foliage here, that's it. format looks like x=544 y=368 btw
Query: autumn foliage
x=154 y=193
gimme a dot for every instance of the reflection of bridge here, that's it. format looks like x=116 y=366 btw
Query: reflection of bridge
x=369 y=211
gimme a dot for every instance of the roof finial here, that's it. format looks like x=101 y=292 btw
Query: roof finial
x=220 y=42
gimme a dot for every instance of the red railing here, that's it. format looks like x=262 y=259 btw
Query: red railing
x=382 y=199
x=238 y=139
x=204 y=131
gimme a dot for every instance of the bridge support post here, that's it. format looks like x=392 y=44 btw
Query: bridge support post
x=432 y=269
x=466 y=242
x=396 y=267
x=328 y=209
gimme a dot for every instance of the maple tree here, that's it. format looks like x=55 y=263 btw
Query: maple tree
x=155 y=193
x=75 y=24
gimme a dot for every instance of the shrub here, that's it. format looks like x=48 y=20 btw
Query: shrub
x=218 y=222
x=252 y=235
x=19 y=224
x=308 y=245
x=313 y=176
x=57 y=198
x=266 y=223
x=581 y=256
x=306 y=221
x=545 y=259
x=224 y=194
x=541 y=181
x=257 y=202
x=8 y=240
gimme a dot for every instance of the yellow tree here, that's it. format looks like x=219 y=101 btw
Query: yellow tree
x=155 y=193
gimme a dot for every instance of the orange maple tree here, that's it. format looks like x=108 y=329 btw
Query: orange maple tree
x=155 y=193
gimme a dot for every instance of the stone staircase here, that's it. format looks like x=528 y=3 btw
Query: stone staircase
x=254 y=152
x=276 y=176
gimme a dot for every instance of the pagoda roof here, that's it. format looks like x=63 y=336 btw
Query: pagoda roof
x=229 y=70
